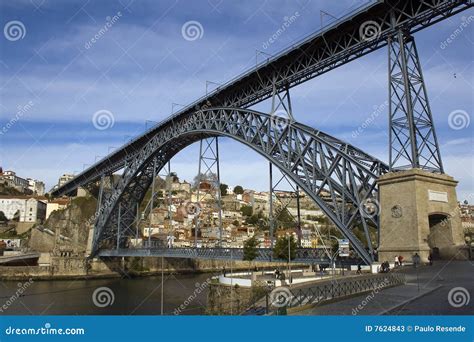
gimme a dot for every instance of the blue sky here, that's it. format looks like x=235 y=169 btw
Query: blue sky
x=143 y=64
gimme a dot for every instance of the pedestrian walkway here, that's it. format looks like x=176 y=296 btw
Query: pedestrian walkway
x=428 y=285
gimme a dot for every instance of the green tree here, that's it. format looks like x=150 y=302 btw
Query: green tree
x=224 y=188
x=280 y=251
x=3 y=218
x=238 y=190
x=246 y=210
x=235 y=223
x=253 y=220
x=250 y=249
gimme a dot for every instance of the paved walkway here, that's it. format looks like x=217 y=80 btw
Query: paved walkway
x=425 y=293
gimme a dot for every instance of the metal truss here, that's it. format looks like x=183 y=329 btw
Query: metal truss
x=209 y=170
x=337 y=176
x=302 y=255
x=166 y=197
x=104 y=197
x=413 y=142
x=321 y=52
x=280 y=200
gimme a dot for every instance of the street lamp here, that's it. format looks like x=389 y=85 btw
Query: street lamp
x=333 y=256
x=289 y=259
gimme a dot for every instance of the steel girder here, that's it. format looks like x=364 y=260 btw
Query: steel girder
x=340 y=178
x=412 y=135
x=323 y=51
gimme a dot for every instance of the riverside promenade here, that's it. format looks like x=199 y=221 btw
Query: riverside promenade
x=429 y=290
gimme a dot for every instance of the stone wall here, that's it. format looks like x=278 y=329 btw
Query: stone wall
x=41 y=241
x=232 y=300
x=68 y=266
x=408 y=199
x=153 y=264
x=23 y=227
x=24 y=272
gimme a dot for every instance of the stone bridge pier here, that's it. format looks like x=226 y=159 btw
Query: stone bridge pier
x=419 y=214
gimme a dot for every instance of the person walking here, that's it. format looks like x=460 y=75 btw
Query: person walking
x=430 y=259
x=416 y=260
x=396 y=261
x=400 y=260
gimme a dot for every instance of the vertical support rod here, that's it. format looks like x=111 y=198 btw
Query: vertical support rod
x=196 y=227
x=298 y=214
x=152 y=202
x=290 y=109
x=273 y=96
x=289 y=259
x=270 y=201
x=138 y=222
x=390 y=104
x=118 y=225
x=162 y=283
x=219 y=203
x=170 y=202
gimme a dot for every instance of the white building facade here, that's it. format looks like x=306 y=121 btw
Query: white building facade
x=36 y=186
x=29 y=209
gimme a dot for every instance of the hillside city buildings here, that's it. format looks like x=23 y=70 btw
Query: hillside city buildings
x=181 y=215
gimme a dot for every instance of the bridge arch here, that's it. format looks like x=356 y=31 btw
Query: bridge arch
x=338 y=177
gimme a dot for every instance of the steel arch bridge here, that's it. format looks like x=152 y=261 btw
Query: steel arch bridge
x=318 y=163
x=338 y=177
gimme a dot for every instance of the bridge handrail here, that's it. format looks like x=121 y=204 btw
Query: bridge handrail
x=338 y=288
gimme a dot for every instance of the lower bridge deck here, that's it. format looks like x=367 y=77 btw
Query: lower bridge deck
x=302 y=255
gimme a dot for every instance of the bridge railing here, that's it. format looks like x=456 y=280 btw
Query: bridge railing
x=159 y=248
x=329 y=290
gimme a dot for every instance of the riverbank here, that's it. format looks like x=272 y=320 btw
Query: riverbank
x=78 y=268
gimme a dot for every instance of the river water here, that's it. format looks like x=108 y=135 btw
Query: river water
x=137 y=296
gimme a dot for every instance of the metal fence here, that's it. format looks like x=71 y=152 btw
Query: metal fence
x=328 y=290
